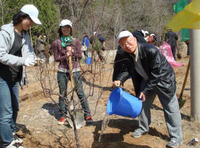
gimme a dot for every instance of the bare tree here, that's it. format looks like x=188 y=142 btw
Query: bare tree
x=2 y=5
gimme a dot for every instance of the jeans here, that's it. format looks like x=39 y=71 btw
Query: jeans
x=42 y=54
x=9 y=107
x=85 y=53
x=100 y=54
x=188 y=48
x=174 y=52
x=63 y=79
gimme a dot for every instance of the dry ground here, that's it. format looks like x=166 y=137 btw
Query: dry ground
x=38 y=115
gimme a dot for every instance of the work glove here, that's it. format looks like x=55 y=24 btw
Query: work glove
x=70 y=51
x=29 y=62
x=42 y=61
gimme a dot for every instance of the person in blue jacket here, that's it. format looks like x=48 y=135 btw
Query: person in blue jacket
x=86 y=42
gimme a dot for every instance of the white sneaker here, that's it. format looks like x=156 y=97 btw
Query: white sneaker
x=138 y=133
x=15 y=144
x=17 y=139
x=173 y=144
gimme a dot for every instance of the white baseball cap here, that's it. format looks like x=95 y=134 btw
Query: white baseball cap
x=65 y=22
x=123 y=34
x=146 y=32
x=33 y=13
x=143 y=32
x=152 y=34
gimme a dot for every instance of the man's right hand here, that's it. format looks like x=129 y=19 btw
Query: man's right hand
x=116 y=83
x=142 y=96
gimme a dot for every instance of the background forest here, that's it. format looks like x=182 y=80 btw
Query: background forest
x=107 y=17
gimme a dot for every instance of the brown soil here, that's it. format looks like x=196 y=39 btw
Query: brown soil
x=38 y=115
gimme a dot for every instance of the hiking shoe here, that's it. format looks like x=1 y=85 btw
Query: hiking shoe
x=89 y=120
x=172 y=144
x=15 y=144
x=138 y=133
x=17 y=139
x=61 y=121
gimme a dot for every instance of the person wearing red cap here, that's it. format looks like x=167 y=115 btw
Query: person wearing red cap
x=16 y=52
x=151 y=75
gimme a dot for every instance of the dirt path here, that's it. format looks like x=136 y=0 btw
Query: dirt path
x=37 y=119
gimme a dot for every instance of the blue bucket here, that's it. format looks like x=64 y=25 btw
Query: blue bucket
x=88 y=60
x=123 y=104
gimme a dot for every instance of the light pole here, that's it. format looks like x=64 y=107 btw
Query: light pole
x=195 y=74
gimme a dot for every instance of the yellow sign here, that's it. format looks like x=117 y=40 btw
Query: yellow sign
x=188 y=18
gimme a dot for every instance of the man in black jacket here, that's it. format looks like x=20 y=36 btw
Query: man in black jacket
x=171 y=38
x=151 y=75
x=120 y=58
